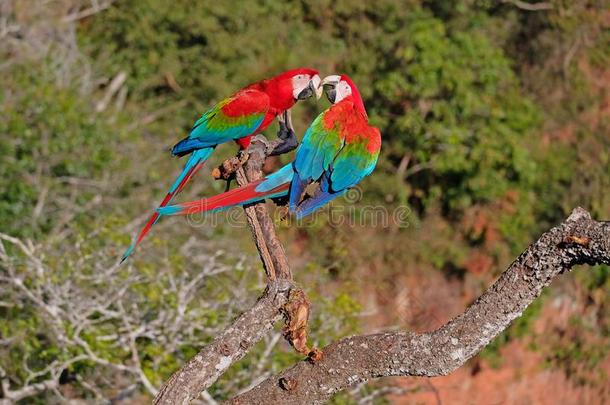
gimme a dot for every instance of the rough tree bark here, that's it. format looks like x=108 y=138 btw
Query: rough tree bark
x=269 y=247
x=578 y=240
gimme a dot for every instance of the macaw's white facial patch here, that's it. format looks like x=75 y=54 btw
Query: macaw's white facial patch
x=342 y=90
x=299 y=83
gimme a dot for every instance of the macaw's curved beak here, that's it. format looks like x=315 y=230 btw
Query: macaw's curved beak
x=330 y=81
x=331 y=94
x=316 y=83
x=311 y=89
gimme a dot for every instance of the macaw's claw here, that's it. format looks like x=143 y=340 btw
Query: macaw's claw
x=290 y=141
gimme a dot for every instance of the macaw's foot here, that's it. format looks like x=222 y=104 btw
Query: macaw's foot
x=289 y=138
x=288 y=145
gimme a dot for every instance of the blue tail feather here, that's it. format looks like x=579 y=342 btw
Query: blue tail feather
x=188 y=145
x=323 y=196
x=312 y=204
x=296 y=191
x=282 y=176
x=196 y=157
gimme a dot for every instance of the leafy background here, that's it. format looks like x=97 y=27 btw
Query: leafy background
x=495 y=123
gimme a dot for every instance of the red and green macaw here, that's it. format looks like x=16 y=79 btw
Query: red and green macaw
x=244 y=114
x=338 y=150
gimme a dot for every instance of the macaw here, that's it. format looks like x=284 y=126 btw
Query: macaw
x=338 y=150
x=244 y=114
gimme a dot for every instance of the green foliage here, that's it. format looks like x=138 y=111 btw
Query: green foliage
x=50 y=139
x=448 y=98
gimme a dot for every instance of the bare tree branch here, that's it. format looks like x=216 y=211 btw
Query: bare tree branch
x=115 y=85
x=270 y=249
x=250 y=327
x=353 y=360
x=75 y=309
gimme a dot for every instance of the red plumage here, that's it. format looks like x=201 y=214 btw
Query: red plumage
x=230 y=198
x=281 y=98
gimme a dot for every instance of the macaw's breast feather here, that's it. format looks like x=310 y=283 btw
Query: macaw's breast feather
x=321 y=142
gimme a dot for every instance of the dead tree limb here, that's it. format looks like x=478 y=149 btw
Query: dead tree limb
x=269 y=247
x=523 y=5
x=249 y=328
x=353 y=360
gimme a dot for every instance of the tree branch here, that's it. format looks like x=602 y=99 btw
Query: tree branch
x=249 y=328
x=353 y=360
x=88 y=12
x=269 y=247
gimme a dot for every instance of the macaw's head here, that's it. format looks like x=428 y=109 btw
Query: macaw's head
x=293 y=85
x=342 y=87
x=304 y=83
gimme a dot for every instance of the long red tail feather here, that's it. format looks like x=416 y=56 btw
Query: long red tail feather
x=237 y=196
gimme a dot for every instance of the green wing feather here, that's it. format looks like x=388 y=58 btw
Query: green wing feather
x=232 y=118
